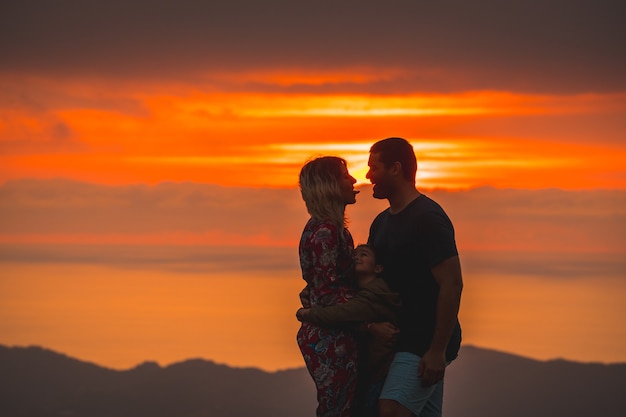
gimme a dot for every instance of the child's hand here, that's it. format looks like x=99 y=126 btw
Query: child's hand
x=302 y=314
x=386 y=332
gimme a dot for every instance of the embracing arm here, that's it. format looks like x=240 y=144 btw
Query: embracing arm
x=356 y=310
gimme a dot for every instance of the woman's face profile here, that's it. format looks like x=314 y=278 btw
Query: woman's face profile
x=346 y=185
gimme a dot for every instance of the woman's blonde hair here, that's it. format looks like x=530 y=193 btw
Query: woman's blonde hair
x=321 y=192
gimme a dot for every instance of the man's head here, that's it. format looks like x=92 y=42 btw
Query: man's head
x=391 y=161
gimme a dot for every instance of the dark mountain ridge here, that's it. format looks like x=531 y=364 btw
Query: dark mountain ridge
x=40 y=382
x=36 y=382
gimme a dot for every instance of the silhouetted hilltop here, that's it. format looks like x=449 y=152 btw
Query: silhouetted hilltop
x=36 y=382
x=495 y=384
x=39 y=382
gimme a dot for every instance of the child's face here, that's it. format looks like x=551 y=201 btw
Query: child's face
x=364 y=261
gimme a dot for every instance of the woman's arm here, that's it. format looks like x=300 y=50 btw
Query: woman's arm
x=364 y=307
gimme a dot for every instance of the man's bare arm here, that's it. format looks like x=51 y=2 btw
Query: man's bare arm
x=450 y=281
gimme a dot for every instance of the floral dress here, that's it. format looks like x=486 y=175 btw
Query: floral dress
x=330 y=354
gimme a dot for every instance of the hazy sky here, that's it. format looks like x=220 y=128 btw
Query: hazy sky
x=532 y=46
x=149 y=154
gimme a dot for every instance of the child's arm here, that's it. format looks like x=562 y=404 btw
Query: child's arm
x=360 y=308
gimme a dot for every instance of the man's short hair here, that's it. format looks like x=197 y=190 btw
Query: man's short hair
x=392 y=150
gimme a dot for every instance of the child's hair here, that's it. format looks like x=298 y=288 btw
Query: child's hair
x=370 y=247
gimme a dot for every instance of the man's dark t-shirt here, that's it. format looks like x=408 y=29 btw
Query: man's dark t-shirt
x=408 y=244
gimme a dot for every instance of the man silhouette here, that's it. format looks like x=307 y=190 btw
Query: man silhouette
x=414 y=240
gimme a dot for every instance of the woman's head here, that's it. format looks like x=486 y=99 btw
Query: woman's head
x=326 y=187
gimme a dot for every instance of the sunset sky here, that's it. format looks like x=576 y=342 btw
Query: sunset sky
x=149 y=154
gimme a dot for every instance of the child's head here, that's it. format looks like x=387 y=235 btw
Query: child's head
x=365 y=261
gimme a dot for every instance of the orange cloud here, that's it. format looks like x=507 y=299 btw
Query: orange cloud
x=262 y=139
x=297 y=76
x=187 y=215
x=208 y=238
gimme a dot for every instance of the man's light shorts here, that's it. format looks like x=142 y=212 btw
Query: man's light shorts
x=405 y=386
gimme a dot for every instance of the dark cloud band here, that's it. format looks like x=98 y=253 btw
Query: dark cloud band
x=548 y=45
